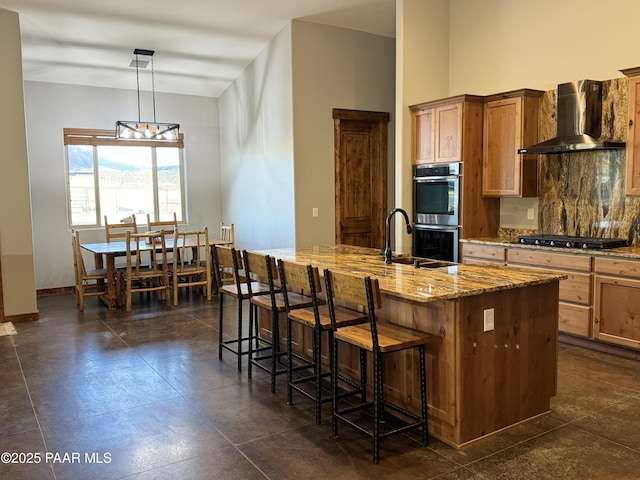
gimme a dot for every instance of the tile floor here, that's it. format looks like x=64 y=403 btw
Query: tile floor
x=109 y=395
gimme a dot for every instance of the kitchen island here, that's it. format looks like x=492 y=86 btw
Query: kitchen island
x=492 y=355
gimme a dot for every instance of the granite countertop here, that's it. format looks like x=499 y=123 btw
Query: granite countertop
x=631 y=253
x=417 y=284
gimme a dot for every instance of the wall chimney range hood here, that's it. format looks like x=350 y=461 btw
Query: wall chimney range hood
x=579 y=121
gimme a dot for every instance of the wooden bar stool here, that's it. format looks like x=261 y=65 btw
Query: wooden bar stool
x=227 y=267
x=306 y=278
x=266 y=354
x=379 y=339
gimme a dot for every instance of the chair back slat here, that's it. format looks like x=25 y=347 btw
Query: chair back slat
x=118 y=231
x=227 y=265
x=348 y=287
x=300 y=276
x=169 y=226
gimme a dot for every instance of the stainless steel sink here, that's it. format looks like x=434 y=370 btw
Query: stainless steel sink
x=418 y=262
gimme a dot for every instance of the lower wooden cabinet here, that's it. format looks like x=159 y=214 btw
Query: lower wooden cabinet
x=617 y=301
x=600 y=298
x=575 y=311
x=481 y=253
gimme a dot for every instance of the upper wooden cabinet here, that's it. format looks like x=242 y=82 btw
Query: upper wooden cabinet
x=632 y=178
x=439 y=128
x=510 y=123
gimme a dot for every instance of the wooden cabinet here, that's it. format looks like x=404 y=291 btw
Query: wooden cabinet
x=632 y=178
x=440 y=128
x=575 y=311
x=481 y=253
x=510 y=122
x=617 y=301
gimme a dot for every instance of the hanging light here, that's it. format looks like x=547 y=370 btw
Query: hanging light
x=132 y=130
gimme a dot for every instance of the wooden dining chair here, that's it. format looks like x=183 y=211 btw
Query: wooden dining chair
x=152 y=277
x=379 y=339
x=118 y=231
x=91 y=282
x=169 y=226
x=191 y=266
x=227 y=233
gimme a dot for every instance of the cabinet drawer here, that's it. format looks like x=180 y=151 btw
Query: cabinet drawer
x=576 y=288
x=554 y=261
x=575 y=319
x=489 y=253
x=617 y=266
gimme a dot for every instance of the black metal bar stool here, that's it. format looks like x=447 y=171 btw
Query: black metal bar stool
x=227 y=267
x=379 y=339
x=309 y=371
x=265 y=353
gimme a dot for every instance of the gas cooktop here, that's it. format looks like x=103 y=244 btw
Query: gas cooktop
x=571 y=242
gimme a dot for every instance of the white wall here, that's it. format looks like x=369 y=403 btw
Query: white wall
x=52 y=107
x=333 y=68
x=257 y=150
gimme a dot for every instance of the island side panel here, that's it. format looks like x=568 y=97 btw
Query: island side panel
x=402 y=382
x=508 y=374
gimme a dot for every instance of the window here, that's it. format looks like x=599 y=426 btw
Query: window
x=118 y=178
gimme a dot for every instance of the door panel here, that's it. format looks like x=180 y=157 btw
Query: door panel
x=360 y=177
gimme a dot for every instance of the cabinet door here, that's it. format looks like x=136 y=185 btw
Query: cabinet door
x=448 y=133
x=423 y=135
x=632 y=181
x=617 y=310
x=501 y=163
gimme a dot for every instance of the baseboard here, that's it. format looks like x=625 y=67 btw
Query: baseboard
x=55 y=291
x=23 y=317
x=599 y=346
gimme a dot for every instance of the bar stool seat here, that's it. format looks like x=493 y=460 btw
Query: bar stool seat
x=378 y=339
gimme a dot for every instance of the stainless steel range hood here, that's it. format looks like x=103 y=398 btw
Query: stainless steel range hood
x=579 y=120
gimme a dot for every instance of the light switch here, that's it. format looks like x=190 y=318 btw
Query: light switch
x=315 y=212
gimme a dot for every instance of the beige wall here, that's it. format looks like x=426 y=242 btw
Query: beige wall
x=497 y=45
x=333 y=68
x=16 y=245
x=422 y=51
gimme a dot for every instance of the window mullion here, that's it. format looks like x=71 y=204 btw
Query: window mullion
x=154 y=170
x=96 y=183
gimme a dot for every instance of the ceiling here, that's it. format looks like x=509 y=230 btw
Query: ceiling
x=201 y=46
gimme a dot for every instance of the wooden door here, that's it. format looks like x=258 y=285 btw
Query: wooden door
x=360 y=177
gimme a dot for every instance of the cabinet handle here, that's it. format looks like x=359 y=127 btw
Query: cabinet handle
x=630 y=122
x=596 y=321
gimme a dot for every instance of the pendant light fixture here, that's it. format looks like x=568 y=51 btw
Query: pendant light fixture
x=142 y=130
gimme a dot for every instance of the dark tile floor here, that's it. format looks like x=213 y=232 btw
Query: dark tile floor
x=143 y=395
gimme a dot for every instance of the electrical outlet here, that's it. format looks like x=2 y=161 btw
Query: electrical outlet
x=488 y=320
x=530 y=213
x=315 y=212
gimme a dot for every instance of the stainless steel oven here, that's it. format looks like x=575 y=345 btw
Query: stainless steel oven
x=438 y=242
x=436 y=193
x=436 y=200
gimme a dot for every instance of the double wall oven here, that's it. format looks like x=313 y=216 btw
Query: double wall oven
x=436 y=202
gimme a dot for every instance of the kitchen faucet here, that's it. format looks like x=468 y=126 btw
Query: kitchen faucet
x=387 y=246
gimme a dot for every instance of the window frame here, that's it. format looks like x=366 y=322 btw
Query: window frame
x=98 y=137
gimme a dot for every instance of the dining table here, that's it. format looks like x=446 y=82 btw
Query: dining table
x=105 y=254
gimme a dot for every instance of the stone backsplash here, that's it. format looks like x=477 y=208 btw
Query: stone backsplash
x=582 y=193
